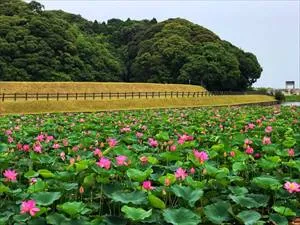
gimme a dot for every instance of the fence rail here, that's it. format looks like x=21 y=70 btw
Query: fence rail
x=112 y=95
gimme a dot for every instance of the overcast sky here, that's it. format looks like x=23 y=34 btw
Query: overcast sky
x=269 y=29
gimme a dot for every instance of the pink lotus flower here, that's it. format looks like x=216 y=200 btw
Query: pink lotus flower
x=37 y=148
x=112 y=142
x=65 y=142
x=144 y=127
x=104 y=163
x=258 y=121
x=10 y=139
x=29 y=207
x=97 y=152
x=292 y=187
x=249 y=150
x=232 y=154
x=10 y=175
x=56 y=146
x=75 y=148
x=257 y=155
x=153 y=143
x=72 y=161
x=144 y=159
x=247 y=142
x=201 y=156
x=26 y=148
x=192 y=171
x=251 y=126
x=139 y=135
x=19 y=146
x=40 y=138
x=49 y=138
x=291 y=152
x=8 y=132
x=147 y=185
x=184 y=138
x=81 y=120
x=266 y=141
x=125 y=129
x=63 y=156
x=181 y=173
x=173 y=148
x=268 y=129
x=167 y=182
x=121 y=160
x=33 y=181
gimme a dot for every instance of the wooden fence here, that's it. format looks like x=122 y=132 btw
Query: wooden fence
x=110 y=95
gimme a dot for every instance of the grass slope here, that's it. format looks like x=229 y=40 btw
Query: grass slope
x=92 y=106
x=90 y=87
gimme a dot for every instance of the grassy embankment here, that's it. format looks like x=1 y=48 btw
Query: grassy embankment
x=42 y=106
x=292 y=98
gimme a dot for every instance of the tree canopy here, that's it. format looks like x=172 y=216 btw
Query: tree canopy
x=39 y=45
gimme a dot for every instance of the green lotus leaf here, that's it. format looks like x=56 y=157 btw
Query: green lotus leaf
x=187 y=193
x=181 y=216
x=73 y=209
x=267 y=182
x=156 y=202
x=136 y=197
x=244 y=201
x=284 y=211
x=136 y=214
x=218 y=212
x=37 y=187
x=278 y=219
x=57 y=218
x=46 y=198
x=46 y=173
x=249 y=217
x=138 y=175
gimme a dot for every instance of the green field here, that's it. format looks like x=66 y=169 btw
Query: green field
x=229 y=165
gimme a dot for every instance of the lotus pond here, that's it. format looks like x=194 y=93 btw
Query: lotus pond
x=237 y=165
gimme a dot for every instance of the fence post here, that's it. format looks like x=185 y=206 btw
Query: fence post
x=57 y=96
x=3 y=97
x=47 y=96
x=84 y=95
x=182 y=94
x=76 y=95
x=125 y=95
x=15 y=96
x=159 y=94
x=67 y=96
x=146 y=94
x=131 y=94
x=118 y=95
x=165 y=94
x=139 y=94
x=152 y=94
x=109 y=95
x=37 y=96
x=177 y=94
x=188 y=94
x=93 y=96
x=26 y=97
x=171 y=94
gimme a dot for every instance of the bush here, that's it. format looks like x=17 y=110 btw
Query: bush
x=279 y=96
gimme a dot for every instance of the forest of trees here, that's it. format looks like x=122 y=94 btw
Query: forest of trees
x=40 y=45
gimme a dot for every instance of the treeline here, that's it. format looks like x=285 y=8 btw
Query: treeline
x=39 y=45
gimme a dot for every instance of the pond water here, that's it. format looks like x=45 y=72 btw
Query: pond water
x=290 y=103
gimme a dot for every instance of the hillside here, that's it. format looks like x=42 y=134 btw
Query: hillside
x=39 y=45
x=92 y=87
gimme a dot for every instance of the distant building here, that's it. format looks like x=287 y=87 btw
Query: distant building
x=290 y=85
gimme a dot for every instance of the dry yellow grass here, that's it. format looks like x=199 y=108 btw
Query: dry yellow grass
x=91 y=87
x=96 y=105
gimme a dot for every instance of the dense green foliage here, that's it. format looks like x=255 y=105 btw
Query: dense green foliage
x=209 y=166
x=55 y=45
